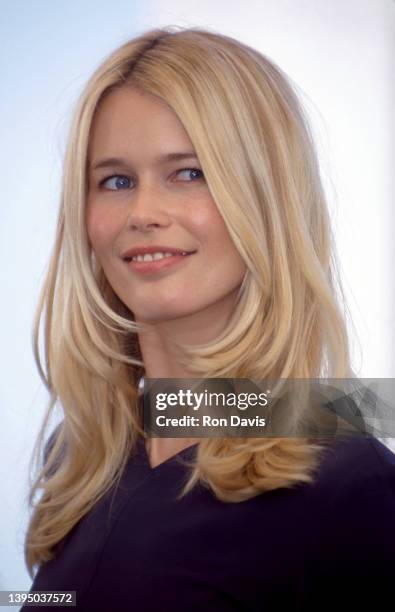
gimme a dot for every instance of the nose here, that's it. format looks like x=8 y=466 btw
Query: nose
x=147 y=211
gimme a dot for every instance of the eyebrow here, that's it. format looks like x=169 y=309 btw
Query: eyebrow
x=118 y=161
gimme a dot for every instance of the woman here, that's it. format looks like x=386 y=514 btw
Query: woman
x=192 y=146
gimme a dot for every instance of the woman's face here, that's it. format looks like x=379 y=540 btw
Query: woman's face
x=140 y=198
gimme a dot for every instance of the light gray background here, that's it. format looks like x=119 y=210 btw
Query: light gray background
x=341 y=55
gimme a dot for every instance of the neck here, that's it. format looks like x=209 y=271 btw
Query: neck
x=159 y=341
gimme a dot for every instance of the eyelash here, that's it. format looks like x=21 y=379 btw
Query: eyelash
x=107 y=178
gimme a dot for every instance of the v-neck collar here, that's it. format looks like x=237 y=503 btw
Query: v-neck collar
x=184 y=453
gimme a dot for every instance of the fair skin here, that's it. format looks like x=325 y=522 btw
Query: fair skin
x=148 y=202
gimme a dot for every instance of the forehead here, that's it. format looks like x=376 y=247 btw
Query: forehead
x=128 y=118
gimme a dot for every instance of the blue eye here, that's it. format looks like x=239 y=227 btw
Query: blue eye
x=192 y=170
x=119 y=182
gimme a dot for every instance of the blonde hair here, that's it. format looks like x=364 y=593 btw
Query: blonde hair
x=257 y=154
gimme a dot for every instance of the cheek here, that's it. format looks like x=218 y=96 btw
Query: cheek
x=218 y=247
x=207 y=224
x=101 y=228
x=216 y=235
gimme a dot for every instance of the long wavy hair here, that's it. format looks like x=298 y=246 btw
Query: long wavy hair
x=257 y=153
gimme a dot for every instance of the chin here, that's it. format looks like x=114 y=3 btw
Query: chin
x=162 y=315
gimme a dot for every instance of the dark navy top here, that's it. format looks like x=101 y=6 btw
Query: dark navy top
x=326 y=546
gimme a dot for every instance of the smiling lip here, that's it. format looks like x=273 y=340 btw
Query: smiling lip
x=142 y=250
x=149 y=267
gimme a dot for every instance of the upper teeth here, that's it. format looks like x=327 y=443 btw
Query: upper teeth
x=154 y=256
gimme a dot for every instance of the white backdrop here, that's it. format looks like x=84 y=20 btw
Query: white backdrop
x=340 y=53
